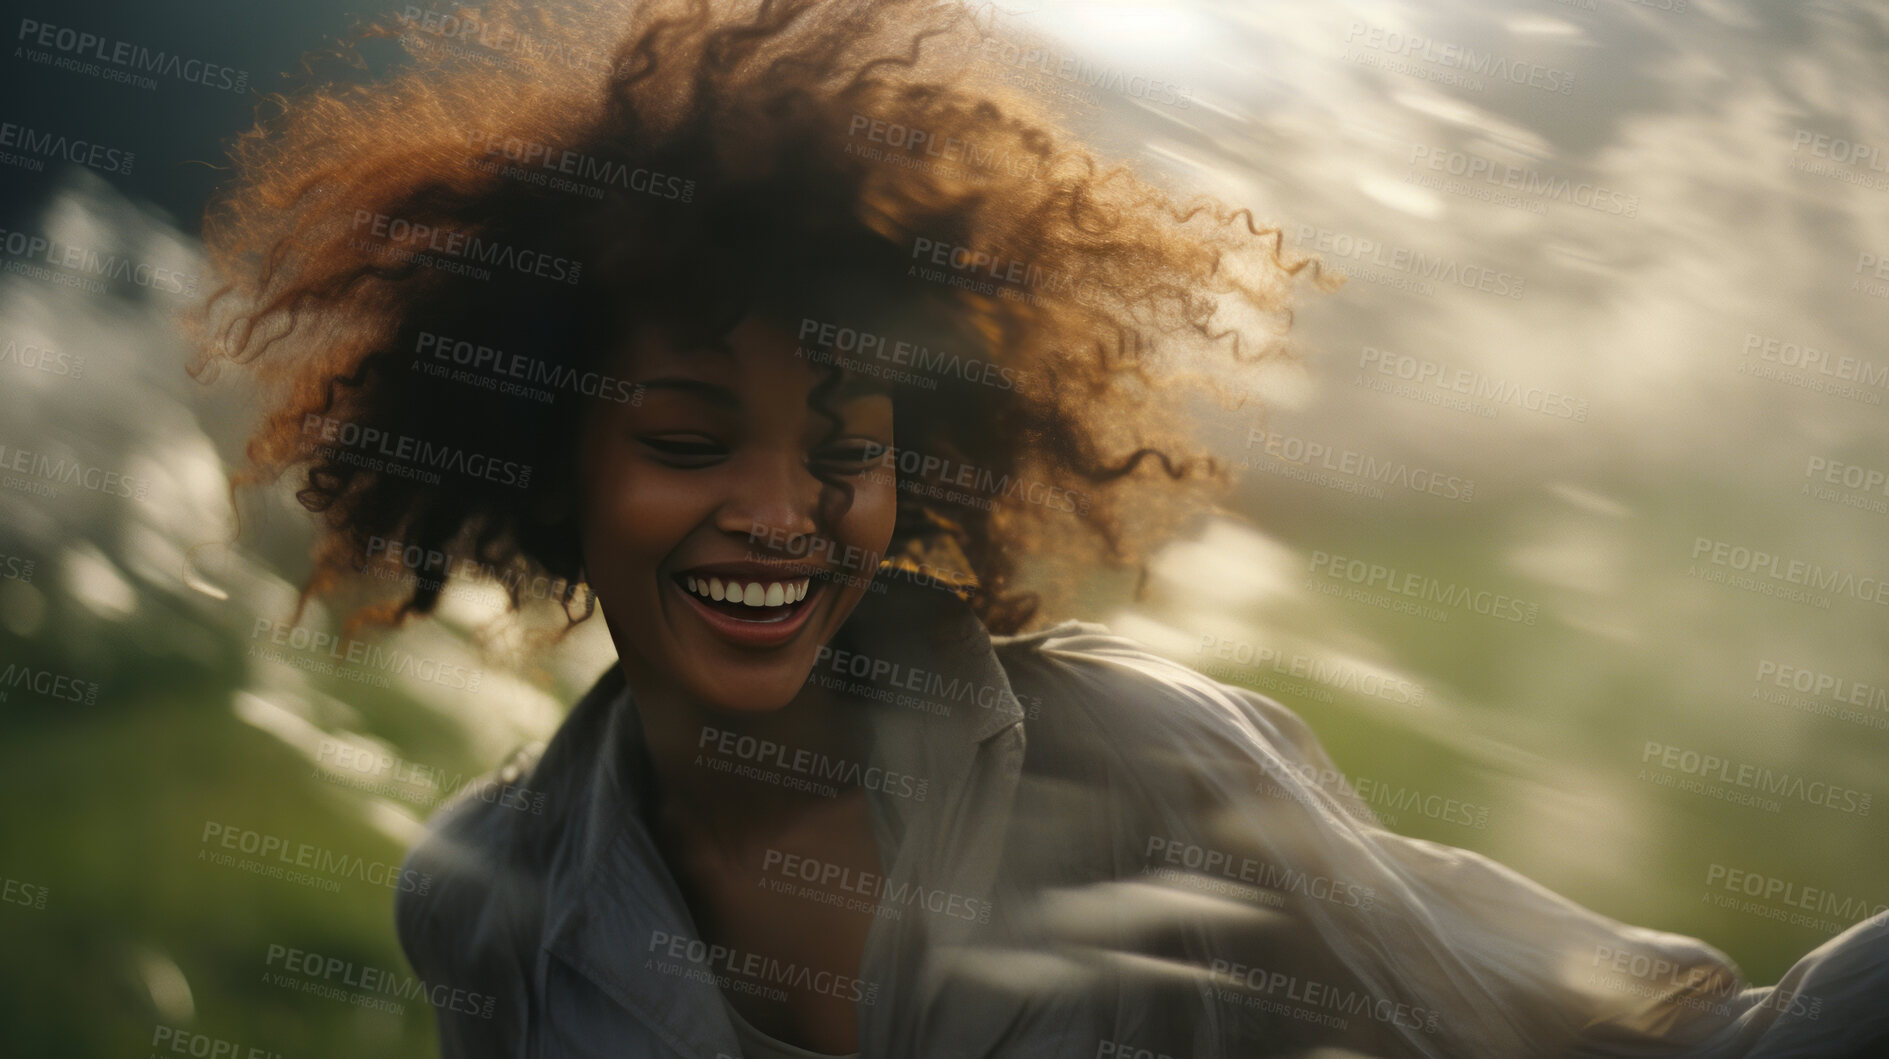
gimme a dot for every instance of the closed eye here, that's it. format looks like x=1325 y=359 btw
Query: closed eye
x=851 y=457
x=687 y=450
x=854 y=456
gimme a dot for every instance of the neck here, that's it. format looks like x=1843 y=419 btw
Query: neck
x=695 y=751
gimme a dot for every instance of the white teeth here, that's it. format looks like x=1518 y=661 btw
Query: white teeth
x=753 y=594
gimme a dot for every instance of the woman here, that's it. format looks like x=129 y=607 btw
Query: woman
x=781 y=333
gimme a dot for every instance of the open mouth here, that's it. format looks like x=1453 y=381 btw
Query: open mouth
x=757 y=601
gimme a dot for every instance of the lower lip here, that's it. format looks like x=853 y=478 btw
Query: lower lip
x=752 y=633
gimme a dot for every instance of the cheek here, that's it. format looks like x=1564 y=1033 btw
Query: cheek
x=870 y=521
x=633 y=520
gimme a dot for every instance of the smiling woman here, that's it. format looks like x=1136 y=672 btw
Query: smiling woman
x=738 y=441
x=789 y=344
x=723 y=447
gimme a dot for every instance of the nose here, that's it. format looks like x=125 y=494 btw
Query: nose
x=775 y=498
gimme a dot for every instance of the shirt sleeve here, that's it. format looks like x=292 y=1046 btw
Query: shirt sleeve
x=1312 y=924
x=470 y=934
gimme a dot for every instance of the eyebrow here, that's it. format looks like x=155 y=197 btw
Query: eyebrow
x=708 y=391
x=855 y=386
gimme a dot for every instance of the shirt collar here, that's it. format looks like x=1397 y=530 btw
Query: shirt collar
x=949 y=701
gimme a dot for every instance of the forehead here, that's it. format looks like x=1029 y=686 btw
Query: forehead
x=758 y=353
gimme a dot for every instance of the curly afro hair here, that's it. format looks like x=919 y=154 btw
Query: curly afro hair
x=427 y=267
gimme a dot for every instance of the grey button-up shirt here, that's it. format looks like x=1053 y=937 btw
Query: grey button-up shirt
x=1155 y=872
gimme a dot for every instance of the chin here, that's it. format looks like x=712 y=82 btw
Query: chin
x=750 y=696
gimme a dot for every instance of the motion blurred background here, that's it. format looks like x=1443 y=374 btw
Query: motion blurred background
x=1613 y=326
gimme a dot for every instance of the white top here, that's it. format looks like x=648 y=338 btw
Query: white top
x=758 y=1045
